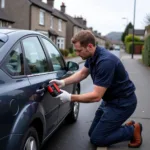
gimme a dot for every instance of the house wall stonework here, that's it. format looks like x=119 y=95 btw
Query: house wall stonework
x=19 y=11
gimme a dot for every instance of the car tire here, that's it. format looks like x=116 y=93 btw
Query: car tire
x=73 y=115
x=30 y=139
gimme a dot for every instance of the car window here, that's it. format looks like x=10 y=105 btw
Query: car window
x=35 y=55
x=56 y=58
x=14 y=63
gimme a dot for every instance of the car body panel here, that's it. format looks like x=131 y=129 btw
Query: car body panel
x=21 y=103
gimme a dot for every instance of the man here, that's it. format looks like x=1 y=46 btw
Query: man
x=112 y=84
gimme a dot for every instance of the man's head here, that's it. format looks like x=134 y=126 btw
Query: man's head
x=84 y=43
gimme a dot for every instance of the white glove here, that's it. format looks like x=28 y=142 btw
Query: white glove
x=64 y=96
x=60 y=83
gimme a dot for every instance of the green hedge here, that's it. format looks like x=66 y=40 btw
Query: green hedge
x=146 y=52
x=129 y=46
x=129 y=38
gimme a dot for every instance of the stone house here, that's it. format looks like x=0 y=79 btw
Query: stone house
x=74 y=25
x=39 y=16
x=137 y=32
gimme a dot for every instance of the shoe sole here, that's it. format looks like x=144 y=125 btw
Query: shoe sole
x=141 y=138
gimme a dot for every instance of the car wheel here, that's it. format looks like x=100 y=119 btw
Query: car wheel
x=73 y=115
x=30 y=140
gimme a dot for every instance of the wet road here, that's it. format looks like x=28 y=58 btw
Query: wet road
x=75 y=136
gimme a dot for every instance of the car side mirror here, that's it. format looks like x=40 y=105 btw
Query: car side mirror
x=72 y=66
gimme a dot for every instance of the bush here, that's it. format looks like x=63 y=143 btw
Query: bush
x=74 y=54
x=129 y=38
x=71 y=50
x=64 y=52
x=146 y=52
x=107 y=45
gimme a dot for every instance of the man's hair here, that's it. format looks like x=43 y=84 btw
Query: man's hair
x=84 y=37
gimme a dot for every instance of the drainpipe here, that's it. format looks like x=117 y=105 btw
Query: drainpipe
x=30 y=15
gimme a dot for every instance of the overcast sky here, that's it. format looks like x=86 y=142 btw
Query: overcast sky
x=106 y=15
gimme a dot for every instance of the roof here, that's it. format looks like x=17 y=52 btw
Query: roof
x=46 y=7
x=137 y=31
x=4 y=17
x=58 y=14
x=74 y=21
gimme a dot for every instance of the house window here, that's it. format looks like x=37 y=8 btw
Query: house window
x=41 y=17
x=2 y=3
x=0 y=23
x=51 y=22
x=59 y=25
x=60 y=43
x=44 y=1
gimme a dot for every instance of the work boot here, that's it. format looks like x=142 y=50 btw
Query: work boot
x=137 y=137
x=130 y=123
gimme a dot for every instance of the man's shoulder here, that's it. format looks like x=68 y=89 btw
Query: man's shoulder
x=105 y=55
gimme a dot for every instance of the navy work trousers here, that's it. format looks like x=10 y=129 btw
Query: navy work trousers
x=107 y=127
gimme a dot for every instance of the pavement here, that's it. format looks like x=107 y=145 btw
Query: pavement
x=75 y=59
x=140 y=75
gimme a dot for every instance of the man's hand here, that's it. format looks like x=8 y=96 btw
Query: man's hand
x=64 y=96
x=60 y=83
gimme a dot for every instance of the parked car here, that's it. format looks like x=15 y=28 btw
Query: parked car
x=28 y=113
x=117 y=47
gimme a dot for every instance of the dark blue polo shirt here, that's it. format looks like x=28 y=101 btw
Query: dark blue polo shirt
x=108 y=71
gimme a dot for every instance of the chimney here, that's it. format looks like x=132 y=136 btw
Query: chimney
x=50 y=3
x=63 y=7
x=95 y=32
x=99 y=34
x=84 y=22
x=80 y=20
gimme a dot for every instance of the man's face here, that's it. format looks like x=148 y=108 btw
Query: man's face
x=83 y=52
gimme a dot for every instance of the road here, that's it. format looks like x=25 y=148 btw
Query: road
x=75 y=136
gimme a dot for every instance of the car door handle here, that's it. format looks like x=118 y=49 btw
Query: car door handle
x=39 y=91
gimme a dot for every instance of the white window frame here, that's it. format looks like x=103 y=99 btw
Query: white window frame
x=1 y=25
x=42 y=17
x=59 y=25
x=61 y=42
x=51 y=22
x=2 y=3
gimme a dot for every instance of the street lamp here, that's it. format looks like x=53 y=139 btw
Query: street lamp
x=133 y=29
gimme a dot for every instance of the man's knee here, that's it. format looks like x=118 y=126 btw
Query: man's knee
x=100 y=141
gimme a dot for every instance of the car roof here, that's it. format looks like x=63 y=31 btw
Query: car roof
x=8 y=31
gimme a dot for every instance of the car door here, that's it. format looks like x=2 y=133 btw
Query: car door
x=59 y=72
x=39 y=75
x=15 y=88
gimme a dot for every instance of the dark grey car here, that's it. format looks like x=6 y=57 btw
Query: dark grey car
x=28 y=113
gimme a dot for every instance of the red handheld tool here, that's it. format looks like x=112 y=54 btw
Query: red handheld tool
x=53 y=89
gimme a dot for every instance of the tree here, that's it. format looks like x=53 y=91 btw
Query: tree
x=147 y=19
x=125 y=33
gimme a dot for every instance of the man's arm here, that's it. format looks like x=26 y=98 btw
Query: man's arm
x=78 y=76
x=94 y=96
